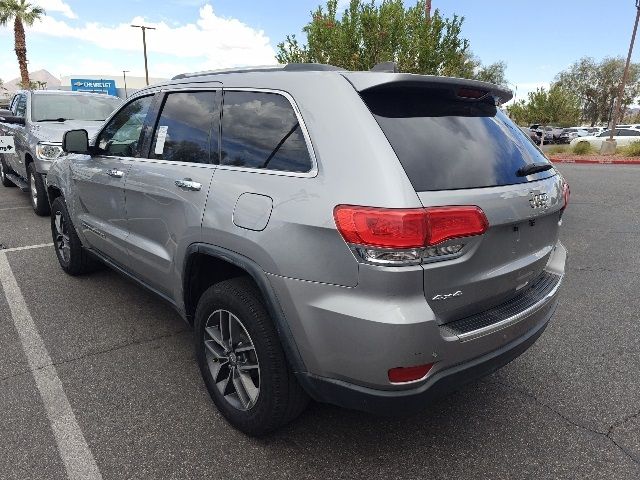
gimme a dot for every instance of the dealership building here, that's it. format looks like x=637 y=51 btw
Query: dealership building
x=108 y=84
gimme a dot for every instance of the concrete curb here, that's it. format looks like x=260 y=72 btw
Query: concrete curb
x=599 y=160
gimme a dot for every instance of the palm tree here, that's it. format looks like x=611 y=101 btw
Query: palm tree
x=22 y=13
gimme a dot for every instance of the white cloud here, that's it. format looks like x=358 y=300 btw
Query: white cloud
x=56 y=6
x=216 y=42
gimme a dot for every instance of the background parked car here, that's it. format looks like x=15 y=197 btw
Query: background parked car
x=569 y=134
x=535 y=138
x=623 y=137
x=37 y=120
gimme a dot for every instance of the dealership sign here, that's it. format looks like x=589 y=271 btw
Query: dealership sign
x=95 y=86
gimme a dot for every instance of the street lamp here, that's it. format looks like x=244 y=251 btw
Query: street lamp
x=611 y=147
x=144 y=28
x=124 y=75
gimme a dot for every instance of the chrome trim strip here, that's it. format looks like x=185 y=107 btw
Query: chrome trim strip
x=507 y=322
x=92 y=229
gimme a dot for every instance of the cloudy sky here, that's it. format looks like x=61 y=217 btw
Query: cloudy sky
x=536 y=39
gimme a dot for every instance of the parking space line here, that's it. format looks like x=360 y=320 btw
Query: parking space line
x=28 y=247
x=14 y=208
x=72 y=446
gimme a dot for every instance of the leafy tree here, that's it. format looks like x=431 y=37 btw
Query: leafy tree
x=597 y=83
x=494 y=73
x=22 y=13
x=367 y=33
x=555 y=106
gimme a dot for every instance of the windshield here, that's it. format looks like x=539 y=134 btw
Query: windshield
x=446 y=143
x=72 y=107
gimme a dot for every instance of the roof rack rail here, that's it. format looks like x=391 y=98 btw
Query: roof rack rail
x=264 y=68
x=290 y=67
x=311 y=67
x=389 y=67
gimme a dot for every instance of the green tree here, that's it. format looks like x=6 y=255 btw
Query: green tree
x=597 y=83
x=555 y=106
x=22 y=13
x=367 y=33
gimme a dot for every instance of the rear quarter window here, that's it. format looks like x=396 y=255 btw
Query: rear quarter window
x=447 y=143
x=260 y=130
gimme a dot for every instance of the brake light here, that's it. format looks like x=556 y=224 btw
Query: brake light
x=446 y=223
x=471 y=93
x=408 y=228
x=409 y=374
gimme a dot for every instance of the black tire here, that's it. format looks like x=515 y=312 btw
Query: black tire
x=75 y=260
x=4 y=169
x=280 y=398
x=38 y=191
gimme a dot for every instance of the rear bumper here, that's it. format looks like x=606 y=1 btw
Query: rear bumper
x=395 y=402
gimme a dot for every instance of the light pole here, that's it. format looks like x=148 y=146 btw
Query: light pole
x=144 y=28
x=124 y=75
x=616 y=111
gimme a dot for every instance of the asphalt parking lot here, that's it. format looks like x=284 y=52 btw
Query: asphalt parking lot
x=567 y=408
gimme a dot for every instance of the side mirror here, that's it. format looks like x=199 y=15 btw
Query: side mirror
x=13 y=120
x=76 y=141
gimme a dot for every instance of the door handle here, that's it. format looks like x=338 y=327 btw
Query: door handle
x=115 y=173
x=188 y=184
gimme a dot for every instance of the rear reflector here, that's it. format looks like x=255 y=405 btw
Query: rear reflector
x=566 y=192
x=409 y=374
x=408 y=228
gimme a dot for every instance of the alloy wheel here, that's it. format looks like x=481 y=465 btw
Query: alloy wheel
x=232 y=359
x=62 y=241
x=2 y=174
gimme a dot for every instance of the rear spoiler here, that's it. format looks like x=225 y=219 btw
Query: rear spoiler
x=468 y=89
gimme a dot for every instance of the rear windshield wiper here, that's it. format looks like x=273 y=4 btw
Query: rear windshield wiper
x=533 y=168
x=53 y=120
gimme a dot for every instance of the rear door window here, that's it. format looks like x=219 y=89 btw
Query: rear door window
x=445 y=143
x=261 y=130
x=185 y=130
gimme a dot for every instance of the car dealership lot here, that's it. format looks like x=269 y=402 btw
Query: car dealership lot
x=568 y=408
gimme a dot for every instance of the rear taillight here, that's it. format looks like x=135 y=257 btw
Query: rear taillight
x=407 y=236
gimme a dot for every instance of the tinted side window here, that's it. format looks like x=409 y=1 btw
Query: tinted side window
x=122 y=136
x=21 y=106
x=261 y=130
x=185 y=130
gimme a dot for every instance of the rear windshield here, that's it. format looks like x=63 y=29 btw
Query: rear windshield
x=446 y=143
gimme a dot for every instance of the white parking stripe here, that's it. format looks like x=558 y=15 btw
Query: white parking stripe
x=14 y=208
x=28 y=247
x=74 y=451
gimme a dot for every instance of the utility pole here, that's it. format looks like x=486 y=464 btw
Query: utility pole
x=144 y=28
x=124 y=75
x=617 y=109
x=427 y=10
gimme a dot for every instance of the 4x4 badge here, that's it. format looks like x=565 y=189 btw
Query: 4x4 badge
x=539 y=200
x=446 y=296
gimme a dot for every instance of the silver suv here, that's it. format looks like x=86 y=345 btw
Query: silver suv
x=367 y=239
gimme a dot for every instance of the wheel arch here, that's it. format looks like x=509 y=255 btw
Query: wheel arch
x=53 y=192
x=207 y=264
